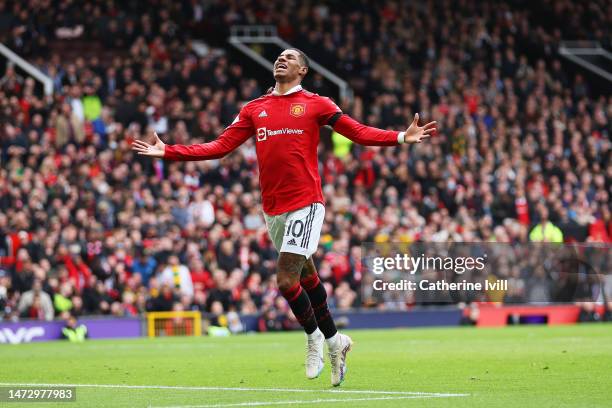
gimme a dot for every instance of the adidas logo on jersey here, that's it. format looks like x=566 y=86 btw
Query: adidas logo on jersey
x=263 y=114
x=292 y=242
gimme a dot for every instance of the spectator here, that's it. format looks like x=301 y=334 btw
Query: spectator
x=546 y=231
x=144 y=265
x=165 y=300
x=588 y=313
x=269 y=321
x=95 y=297
x=177 y=276
x=35 y=303
x=92 y=105
x=61 y=300
x=73 y=332
x=11 y=82
x=200 y=277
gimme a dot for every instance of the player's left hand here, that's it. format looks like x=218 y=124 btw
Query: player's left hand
x=416 y=133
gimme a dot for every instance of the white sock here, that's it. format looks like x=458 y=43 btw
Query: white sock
x=333 y=341
x=315 y=334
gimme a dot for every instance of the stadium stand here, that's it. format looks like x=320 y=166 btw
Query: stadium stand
x=86 y=227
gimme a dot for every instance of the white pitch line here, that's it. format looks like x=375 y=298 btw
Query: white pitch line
x=315 y=401
x=203 y=388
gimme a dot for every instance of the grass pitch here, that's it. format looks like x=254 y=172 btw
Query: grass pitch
x=563 y=366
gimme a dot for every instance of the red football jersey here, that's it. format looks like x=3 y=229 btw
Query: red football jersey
x=286 y=130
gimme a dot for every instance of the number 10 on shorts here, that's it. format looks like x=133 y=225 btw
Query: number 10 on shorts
x=295 y=228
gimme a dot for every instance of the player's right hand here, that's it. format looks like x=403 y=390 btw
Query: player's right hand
x=154 y=150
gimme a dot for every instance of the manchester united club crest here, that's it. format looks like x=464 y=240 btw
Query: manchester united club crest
x=297 y=109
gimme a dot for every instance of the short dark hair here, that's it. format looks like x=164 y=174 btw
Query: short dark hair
x=303 y=58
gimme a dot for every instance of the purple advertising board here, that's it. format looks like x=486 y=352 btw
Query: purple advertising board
x=105 y=328
x=30 y=331
x=376 y=319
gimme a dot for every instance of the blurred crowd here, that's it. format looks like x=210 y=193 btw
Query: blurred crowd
x=87 y=227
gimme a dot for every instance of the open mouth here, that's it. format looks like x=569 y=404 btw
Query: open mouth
x=281 y=65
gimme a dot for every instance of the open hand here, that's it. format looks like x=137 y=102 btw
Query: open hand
x=416 y=133
x=154 y=150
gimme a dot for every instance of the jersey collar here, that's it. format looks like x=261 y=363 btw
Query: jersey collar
x=295 y=89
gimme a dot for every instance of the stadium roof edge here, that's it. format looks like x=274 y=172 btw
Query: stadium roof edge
x=29 y=68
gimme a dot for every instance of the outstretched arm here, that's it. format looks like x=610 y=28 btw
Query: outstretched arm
x=236 y=134
x=227 y=142
x=371 y=136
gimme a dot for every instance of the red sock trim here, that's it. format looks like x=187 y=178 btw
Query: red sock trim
x=293 y=292
x=324 y=317
x=310 y=282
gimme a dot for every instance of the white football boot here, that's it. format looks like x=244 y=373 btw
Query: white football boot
x=338 y=348
x=314 y=354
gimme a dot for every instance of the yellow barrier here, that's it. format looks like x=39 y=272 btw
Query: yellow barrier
x=179 y=323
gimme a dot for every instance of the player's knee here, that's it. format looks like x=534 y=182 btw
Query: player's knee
x=285 y=281
x=308 y=270
x=288 y=270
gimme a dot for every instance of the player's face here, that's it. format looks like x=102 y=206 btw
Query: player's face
x=287 y=67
